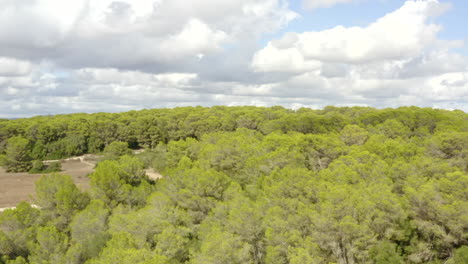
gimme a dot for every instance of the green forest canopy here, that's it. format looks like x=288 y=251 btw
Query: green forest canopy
x=244 y=185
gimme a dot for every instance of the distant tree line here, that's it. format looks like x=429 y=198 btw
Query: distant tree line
x=60 y=136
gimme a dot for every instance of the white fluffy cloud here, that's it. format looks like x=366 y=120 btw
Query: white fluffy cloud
x=105 y=55
x=312 y=4
x=125 y=33
x=14 y=67
x=398 y=35
x=393 y=61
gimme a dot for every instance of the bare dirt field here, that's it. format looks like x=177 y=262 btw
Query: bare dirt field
x=152 y=174
x=17 y=187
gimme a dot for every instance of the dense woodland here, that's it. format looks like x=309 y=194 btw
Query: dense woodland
x=244 y=185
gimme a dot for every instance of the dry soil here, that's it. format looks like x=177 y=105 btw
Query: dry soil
x=17 y=187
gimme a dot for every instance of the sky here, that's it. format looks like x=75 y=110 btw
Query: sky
x=111 y=56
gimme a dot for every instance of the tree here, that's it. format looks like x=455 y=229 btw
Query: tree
x=37 y=167
x=460 y=256
x=339 y=185
x=173 y=242
x=385 y=252
x=122 y=249
x=18 y=155
x=393 y=128
x=107 y=185
x=354 y=135
x=88 y=232
x=49 y=247
x=116 y=149
x=18 y=260
x=59 y=198
x=439 y=214
x=17 y=229
x=121 y=181
x=223 y=247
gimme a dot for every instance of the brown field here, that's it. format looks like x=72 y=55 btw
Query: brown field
x=17 y=187
x=152 y=174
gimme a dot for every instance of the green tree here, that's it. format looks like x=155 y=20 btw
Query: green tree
x=59 y=199
x=174 y=243
x=18 y=260
x=37 y=167
x=222 y=247
x=123 y=181
x=88 y=231
x=17 y=229
x=385 y=252
x=107 y=185
x=460 y=256
x=122 y=249
x=354 y=135
x=18 y=155
x=393 y=128
x=116 y=149
x=50 y=246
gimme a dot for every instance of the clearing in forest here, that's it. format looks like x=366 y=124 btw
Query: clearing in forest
x=17 y=187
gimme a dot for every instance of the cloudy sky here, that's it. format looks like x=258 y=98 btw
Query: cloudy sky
x=102 y=55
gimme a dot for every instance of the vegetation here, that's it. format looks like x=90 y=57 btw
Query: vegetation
x=244 y=185
x=39 y=167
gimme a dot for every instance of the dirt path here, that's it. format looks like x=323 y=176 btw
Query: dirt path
x=17 y=187
x=6 y=208
x=152 y=174
x=83 y=158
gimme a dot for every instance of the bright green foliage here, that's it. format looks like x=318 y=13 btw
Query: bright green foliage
x=59 y=199
x=245 y=185
x=460 y=256
x=158 y=162
x=107 y=184
x=88 y=232
x=173 y=243
x=18 y=260
x=117 y=149
x=385 y=253
x=196 y=191
x=39 y=167
x=122 y=249
x=2 y=160
x=39 y=150
x=354 y=135
x=223 y=247
x=440 y=216
x=49 y=247
x=64 y=147
x=17 y=229
x=54 y=167
x=120 y=182
x=393 y=128
x=17 y=155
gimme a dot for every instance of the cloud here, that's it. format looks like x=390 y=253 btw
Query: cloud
x=14 y=67
x=130 y=34
x=393 y=61
x=313 y=4
x=106 y=55
x=398 y=35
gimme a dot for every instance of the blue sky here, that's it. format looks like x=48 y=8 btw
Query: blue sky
x=347 y=14
x=106 y=55
x=363 y=12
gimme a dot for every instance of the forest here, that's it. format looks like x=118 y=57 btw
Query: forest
x=243 y=185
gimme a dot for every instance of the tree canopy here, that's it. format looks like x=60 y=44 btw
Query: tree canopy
x=245 y=185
